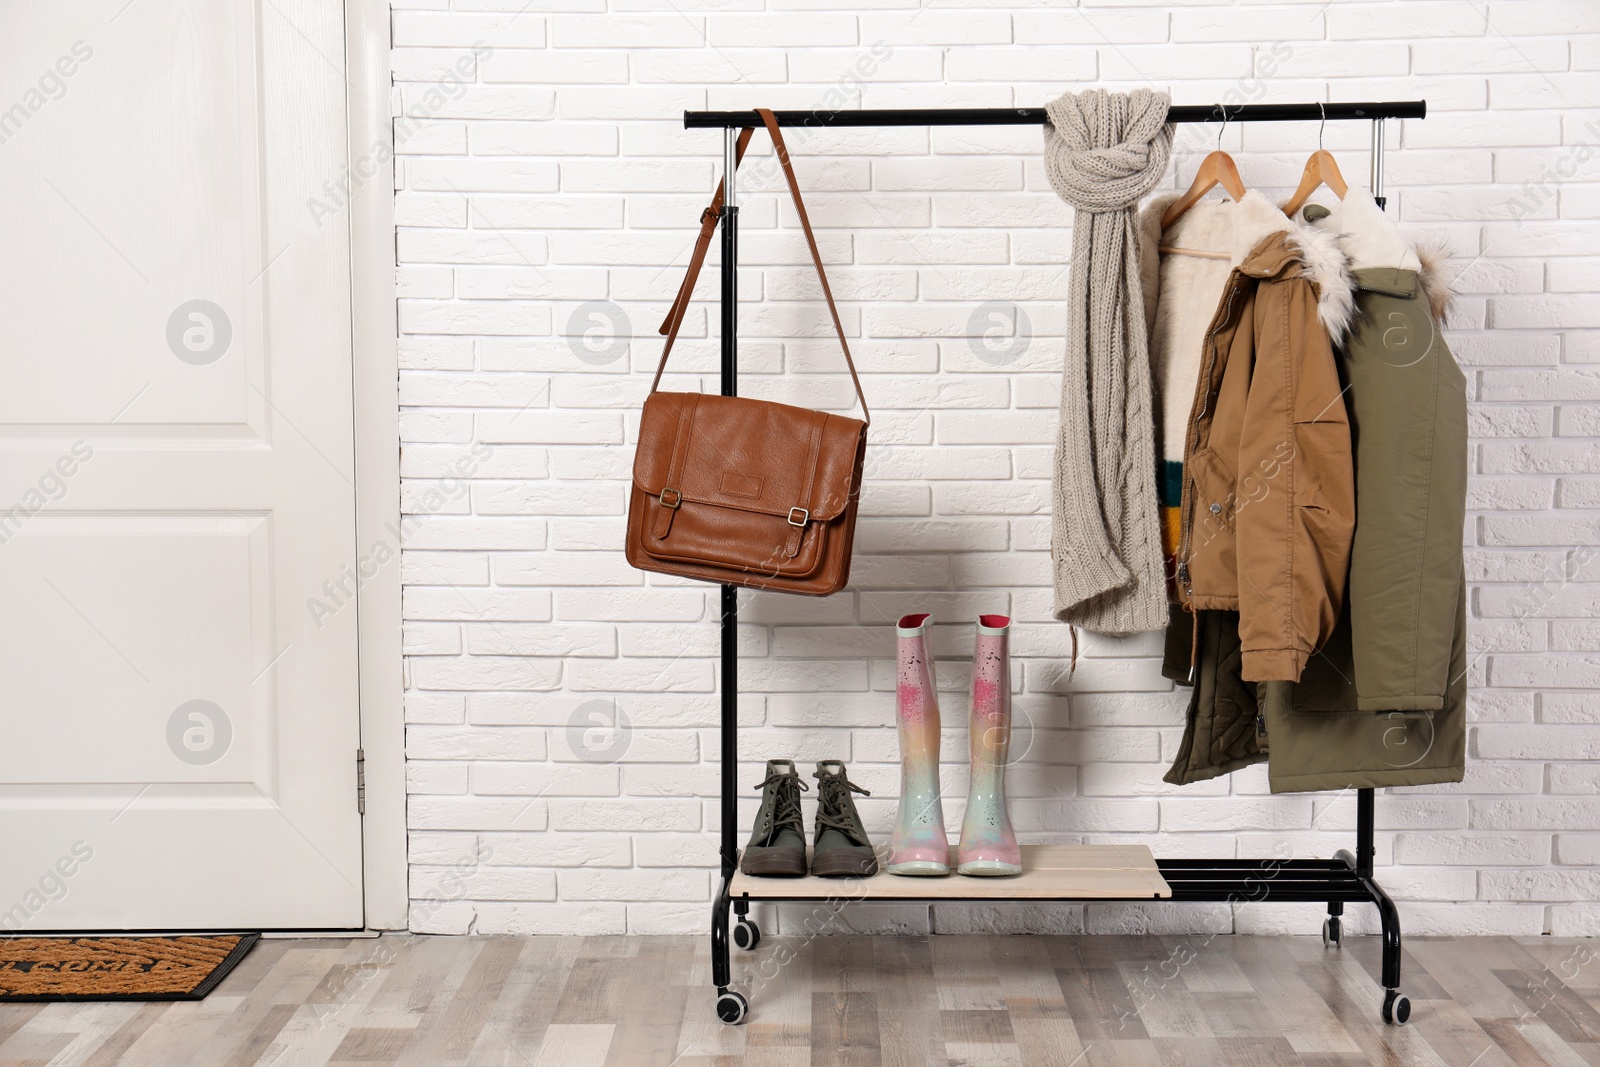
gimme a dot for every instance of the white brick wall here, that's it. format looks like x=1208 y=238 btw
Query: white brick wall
x=554 y=193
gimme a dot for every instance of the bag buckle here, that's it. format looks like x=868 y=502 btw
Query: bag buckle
x=804 y=516
x=708 y=217
x=677 y=498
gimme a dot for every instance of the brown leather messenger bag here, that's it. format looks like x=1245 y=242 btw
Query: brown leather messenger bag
x=741 y=491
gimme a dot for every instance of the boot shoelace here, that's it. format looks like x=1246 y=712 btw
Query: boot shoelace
x=786 y=812
x=833 y=804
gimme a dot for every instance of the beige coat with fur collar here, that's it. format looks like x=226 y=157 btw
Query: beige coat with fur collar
x=1182 y=290
x=1267 y=507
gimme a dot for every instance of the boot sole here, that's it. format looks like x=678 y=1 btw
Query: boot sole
x=789 y=866
x=988 y=869
x=919 y=869
x=843 y=868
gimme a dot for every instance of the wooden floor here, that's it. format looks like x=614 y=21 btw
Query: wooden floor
x=983 y=1001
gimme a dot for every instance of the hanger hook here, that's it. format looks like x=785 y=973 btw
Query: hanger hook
x=1323 y=110
x=1221 y=128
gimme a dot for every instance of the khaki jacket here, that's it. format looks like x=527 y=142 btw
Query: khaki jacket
x=1268 y=502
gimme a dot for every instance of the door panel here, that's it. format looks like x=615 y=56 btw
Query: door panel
x=176 y=469
x=135 y=189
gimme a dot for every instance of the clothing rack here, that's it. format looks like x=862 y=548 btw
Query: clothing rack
x=1343 y=879
x=1035 y=116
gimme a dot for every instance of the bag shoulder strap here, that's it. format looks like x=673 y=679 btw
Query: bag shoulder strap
x=708 y=225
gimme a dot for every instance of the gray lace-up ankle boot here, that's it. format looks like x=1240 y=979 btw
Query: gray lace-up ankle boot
x=842 y=848
x=778 y=842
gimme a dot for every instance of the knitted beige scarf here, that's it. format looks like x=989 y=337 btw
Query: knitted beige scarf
x=1102 y=152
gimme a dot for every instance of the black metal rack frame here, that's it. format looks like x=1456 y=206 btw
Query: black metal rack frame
x=1344 y=878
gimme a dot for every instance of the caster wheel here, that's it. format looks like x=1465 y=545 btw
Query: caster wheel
x=1332 y=931
x=746 y=935
x=1396 y=1008
x=732 y=1007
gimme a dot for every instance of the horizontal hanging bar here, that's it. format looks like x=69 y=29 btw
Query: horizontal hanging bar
x=1035 y=116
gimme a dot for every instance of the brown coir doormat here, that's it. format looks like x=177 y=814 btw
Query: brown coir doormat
x=117 y=968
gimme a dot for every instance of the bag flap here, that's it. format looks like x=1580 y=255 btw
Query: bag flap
x=753 y=455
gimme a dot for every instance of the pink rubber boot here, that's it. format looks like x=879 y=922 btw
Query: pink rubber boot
x=919 y=845
x=988 y=844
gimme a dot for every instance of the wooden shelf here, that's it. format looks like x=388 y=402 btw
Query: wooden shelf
x=1049 y=872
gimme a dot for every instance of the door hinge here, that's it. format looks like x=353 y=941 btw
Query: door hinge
x=361 y=782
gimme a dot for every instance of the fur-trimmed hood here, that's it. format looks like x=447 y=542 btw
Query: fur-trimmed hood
x=1236 y=228
x=1369 y=238
x=1437 y=277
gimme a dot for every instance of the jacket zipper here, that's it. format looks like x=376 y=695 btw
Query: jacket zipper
x=1202 y=402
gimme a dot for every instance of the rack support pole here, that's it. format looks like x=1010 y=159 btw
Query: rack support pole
x=728 y=613
x=1395 y=1007
x=1376 y=180
x=1364 y=810
x=1365 y=850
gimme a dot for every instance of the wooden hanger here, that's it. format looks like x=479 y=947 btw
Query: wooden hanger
x=1216 y=169
x=1320 y=170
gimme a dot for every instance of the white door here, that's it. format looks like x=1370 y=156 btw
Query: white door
x=178 y=683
